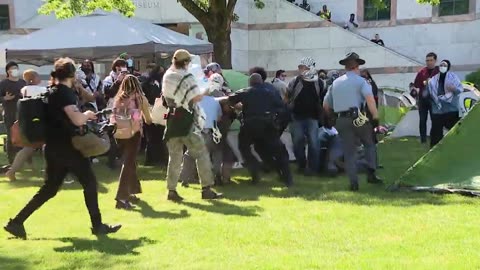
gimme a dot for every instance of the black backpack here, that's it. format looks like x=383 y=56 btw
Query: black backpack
x=32 y=118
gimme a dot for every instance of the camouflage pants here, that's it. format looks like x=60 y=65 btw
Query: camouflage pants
x=197 y=150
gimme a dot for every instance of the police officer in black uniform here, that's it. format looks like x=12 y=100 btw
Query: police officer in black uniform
x=259 y=108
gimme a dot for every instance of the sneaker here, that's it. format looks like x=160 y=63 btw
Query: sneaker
x=16 y=229
x=209 y=194
x=126 y=205
x=106 y=229
x=173 y=196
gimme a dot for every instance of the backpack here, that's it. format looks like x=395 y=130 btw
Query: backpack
x=32 y=119
x=127 y=119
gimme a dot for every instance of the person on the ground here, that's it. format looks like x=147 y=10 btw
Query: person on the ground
x=325 y=13
x=131 y=103
x=346 y=97
x=32 y=89
x=258 y=128
x=423 y=100
x=213 y=114
x=304 y=95
x=9 y=96
x=279 y=83
x=64 y=118
x=156 y=152
x=444 y=89
x=377 y=40
x=184 y=123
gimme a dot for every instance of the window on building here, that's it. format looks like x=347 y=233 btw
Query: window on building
x=376 y=10
x=453 y=7
x=4 y=17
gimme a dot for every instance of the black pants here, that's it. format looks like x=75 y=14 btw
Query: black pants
x=260 y=132
x=59 y=163
x=424 y=107
x=156 y=150
x=113 y=153
x=440 y=121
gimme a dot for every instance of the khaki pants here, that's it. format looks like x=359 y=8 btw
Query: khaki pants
x=197 y=150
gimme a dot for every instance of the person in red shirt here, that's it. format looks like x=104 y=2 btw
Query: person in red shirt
x=423 y=97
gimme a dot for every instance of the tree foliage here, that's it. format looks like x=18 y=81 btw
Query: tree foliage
x=68 y=8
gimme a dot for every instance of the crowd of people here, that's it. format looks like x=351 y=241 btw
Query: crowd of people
x=331 y=114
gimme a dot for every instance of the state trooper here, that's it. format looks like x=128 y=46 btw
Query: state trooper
x=346 y=98
x=259 y=109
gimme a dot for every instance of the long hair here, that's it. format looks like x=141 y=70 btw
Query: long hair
x=130 y=87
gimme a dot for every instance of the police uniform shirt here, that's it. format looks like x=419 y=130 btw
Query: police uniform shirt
x=349 y=90
x=256 y=100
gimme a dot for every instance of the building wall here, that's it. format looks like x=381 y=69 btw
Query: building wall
x=162 y=11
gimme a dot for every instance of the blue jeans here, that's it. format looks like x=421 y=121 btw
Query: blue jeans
x=301 y=130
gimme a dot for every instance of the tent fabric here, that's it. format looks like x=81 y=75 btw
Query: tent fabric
x=393 y=105
x=440 y=168
x=236 y=80
x=99 y=36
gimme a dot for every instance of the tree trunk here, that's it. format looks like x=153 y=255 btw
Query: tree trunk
x=222 y=44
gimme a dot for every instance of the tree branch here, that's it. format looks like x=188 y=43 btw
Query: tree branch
x=231 y=7
x=195 y=10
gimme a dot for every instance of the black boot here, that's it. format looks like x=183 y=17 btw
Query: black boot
x=209 y=194
x=173 y=196
x=372 y=178
x=354 y=186
x=16 y=229
x=103 y=229
x=218 y=180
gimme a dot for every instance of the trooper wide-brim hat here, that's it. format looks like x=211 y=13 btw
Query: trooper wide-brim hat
x=352 y=56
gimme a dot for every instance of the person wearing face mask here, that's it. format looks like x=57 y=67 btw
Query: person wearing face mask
x=64 y=119
x=304 y=95
x=444 y=89
x=9 y=96
x=92 y=83
x=345 y=98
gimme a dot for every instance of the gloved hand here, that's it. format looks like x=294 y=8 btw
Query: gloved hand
x=375 y=123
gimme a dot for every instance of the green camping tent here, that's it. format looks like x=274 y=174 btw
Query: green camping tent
x=449 y=164
x=236 y=80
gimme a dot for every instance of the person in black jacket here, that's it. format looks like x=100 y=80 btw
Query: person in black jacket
x=111 y=84
x=156 y=150
x=366 y=74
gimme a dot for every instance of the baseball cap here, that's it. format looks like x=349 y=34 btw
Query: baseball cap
x=181 y=55
x=214 y=67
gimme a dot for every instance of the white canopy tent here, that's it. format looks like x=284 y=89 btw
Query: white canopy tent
x=99 y=36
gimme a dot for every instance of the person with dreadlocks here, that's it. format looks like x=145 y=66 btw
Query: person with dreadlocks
x=129 y=106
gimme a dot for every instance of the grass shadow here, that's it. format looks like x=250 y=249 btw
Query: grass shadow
x=103 y=244
x=220 y=207
x=7 y=263
x=147 y=211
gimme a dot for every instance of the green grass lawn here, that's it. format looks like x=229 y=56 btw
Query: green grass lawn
x=315 y=225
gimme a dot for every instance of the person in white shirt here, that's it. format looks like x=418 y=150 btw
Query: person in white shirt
x=32 y=89
x=212 y=136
